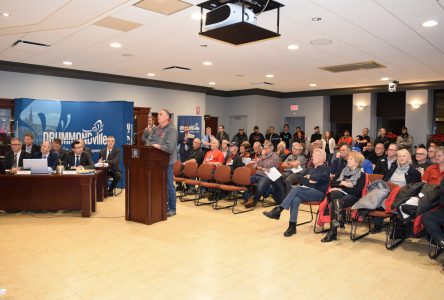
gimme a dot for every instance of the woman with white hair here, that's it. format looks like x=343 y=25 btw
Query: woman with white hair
x=313 y=184
x=402 y=172
x=281 y=151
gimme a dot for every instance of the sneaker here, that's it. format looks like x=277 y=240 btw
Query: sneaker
x=171 y=213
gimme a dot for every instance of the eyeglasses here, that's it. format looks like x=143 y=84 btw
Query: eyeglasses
x=392 y=149
x=420 y=153
x=15 y=144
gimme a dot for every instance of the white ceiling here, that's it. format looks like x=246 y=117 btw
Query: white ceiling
x=386 y=31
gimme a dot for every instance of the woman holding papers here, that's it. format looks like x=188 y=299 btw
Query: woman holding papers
x=346 y=189
x=313 y=187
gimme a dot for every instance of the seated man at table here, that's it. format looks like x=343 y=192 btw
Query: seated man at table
x=52 y=157
x=57 y=148
x=77 y=159
x=14 y=159
x=111 y=156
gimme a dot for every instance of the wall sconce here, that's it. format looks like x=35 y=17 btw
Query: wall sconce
x=360 y=106
x=415 y=105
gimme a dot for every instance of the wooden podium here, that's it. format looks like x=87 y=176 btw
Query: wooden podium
x=146 y=180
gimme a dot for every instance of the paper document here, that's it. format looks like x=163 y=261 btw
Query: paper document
x=246 y=160
x=273 y=174
x=297 y=170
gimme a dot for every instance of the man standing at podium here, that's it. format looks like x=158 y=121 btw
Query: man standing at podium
x=164 y=137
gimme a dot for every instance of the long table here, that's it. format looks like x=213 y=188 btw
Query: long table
x=52 y=192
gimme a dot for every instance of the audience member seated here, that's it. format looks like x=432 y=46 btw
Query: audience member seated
x=346 y=139
x=86 y=150
x=402 y=172
x=313 y=184
x=268 y=160
x=28 y=144
x=14 y=159
x=195 y=154
x=240 y=137
x=221 y=134
x=434 y=220
x=431 y=154
x=340 y=162
x=111 y=155
x=185 y=142
x=328 y=145
x=214 y=157
x=207 y=139
x=362 y=139
x=57 y=148
x=273 y=137
x=257 y=151
x=315 y=145
x=244 y=150
x=382 y=138
x=256 y=136
x=77 y=159
x=435 y=172
x=405 y=140
x=366 y=165
x=295 y=160
x=224 y=149
x=345 y=191
x=282 y=151
x=422 y=163
x=45 y=153
x=285 y=136
x=385 y=162
x=234 y=160
x=374 y=155
x=316 y=135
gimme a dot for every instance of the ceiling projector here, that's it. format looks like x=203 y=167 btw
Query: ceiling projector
x=228 y=14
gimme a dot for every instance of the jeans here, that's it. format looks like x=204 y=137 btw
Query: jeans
x=433 y=221
x=296 y=196
x=262 y=185
x=171 y=191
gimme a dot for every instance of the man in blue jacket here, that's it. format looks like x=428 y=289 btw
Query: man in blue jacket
x=45 y=152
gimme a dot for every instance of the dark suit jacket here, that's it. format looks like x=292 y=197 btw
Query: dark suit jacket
x=113 y=158
x=381 y=166
x=411 y=176
x=53 y=159
x=34 y=149
x=62 y=154
x=237 y=162
x=85 y=161
x=9 y=159
x=2 y=168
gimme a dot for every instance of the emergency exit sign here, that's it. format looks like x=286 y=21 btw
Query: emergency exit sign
x=294 y=107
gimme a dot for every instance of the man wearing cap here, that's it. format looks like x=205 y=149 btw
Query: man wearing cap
x=256 y=136
x=316 y=135
x=239 y=137
x=405 y=140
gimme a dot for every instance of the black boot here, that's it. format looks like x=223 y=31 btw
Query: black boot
x=290 y=230
x=275 y=213
x=332 y=235
x=337 y=208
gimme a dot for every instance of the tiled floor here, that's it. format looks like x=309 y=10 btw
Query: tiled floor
x=202 y=254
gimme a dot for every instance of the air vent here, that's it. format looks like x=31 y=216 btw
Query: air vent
x=165 y=7
x=262 y=83
x=29 y=46
x=366 y=65
x=176 y=69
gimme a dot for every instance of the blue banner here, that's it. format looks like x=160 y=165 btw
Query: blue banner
x=72 y=120
x=194 y=122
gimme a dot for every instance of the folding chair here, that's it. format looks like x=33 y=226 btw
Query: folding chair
x=189 y=172
x=240 y=179
x=205 y=175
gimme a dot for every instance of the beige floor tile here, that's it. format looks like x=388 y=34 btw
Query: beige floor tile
x=203 y=254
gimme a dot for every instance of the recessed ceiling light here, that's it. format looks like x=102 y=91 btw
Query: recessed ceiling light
x=212 y=83
x=115 y=45
x=127 y=54
x=293 y=47
x=196 y=16
x=429 y=23
x=207 y=63
x=312 y=84
x=384 y=78
x=6 y=14
x=316 y=19
x=321 y=42
x=67 y=63
x=204 y=45
x=151 y=74
x=269 y=75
